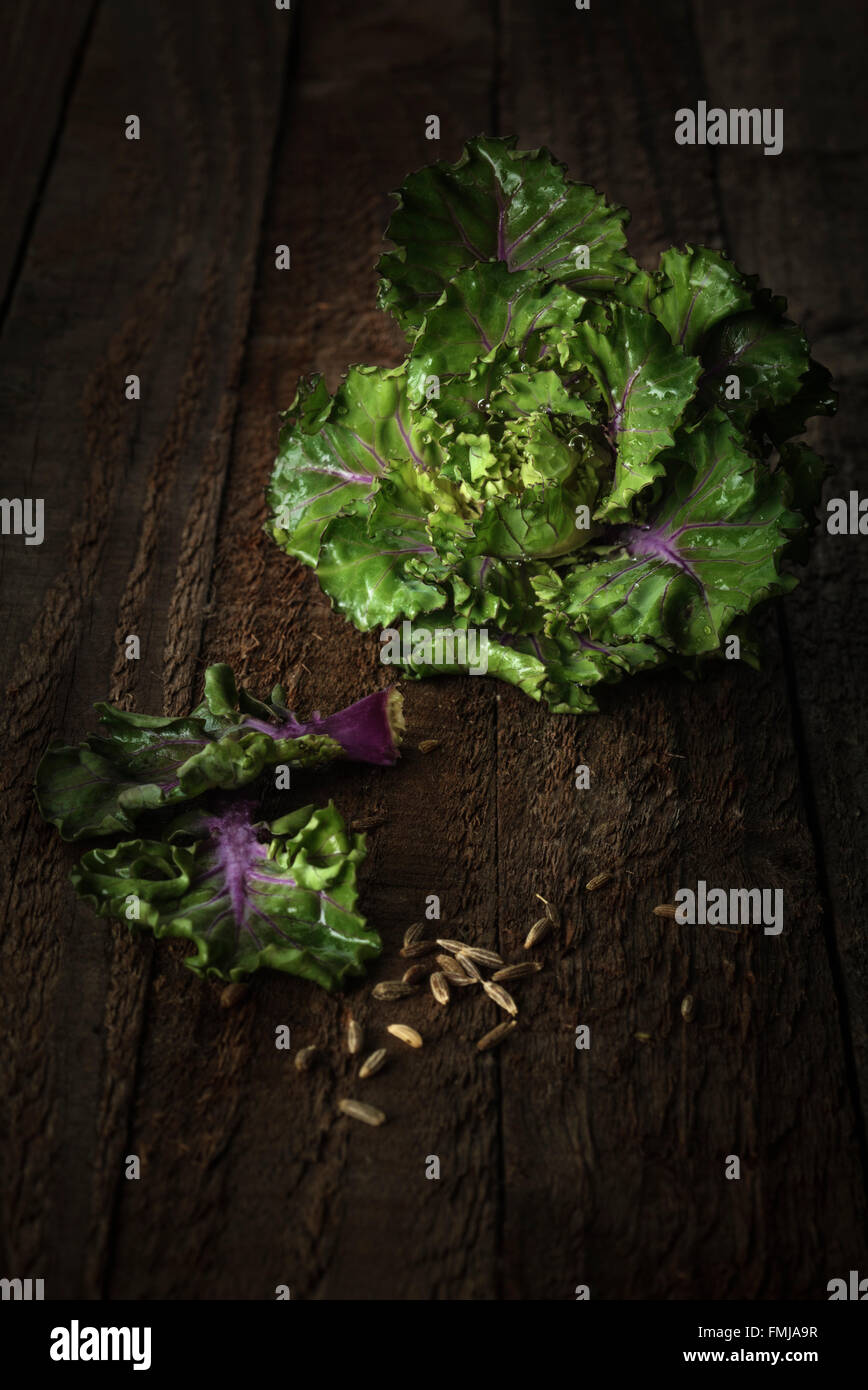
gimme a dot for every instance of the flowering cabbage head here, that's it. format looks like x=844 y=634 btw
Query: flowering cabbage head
x=591 y=461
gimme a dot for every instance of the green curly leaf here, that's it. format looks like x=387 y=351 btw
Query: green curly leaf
x=143 y=763
x=498 y=204
x=245 y=895
x=707 y=555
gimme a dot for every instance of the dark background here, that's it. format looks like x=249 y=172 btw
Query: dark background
x=559 y=1167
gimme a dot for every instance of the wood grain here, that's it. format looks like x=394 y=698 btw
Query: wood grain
x=686 y=783
x=558 y=1166
x=350 y=1191
x=140 y=260
x=45 y=42
x=819 y=263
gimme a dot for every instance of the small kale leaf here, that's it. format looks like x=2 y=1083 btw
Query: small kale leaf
x=139 y=763
x=246 y=894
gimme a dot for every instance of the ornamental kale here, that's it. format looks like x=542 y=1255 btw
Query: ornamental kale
x=247 y=892
x=287 y=901
x=588 y=459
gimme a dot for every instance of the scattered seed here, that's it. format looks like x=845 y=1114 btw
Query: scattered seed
x=393 y=989
x=517 y=971
x=405 y=1033
x=462 y=979
x=484 y=957
x=551 y=911
x=417 y=948
x=501 y=997
x=355 y=1036
x=368 y=822
x=642 y=1037
x=413 y=932
x=428 y=745
x=665 y=910
x=358 y=1111
x=373 y=1063
x=452 y=969
x=416 y=973
x=305 y=1059
x=540 y=929
x=439 y=987
x=597 y=881
x=687 y=1007
x=233 y=994
x=468 y=965
x=477 y=953
x=496 y=1036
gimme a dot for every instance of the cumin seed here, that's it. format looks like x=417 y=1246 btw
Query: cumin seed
x=517 y=971
x=451 y=968
x=551 y=911
x=468 y=965
x=540 y=929
x=405 y=1033
x=305 y=1059
x=496 y=1036
x=392 y=989
x=501 y=997
x=357 y=1110
x=417 y=948
x=480 y=954
x=439 y=987
x=372 y=1064
x=597 y=881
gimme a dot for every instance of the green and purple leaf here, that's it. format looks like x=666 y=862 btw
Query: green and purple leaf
x=498 y=204
x=709 y=553
x=702 y=288
x=645 y=383
x=245 y=895
x=142 y=763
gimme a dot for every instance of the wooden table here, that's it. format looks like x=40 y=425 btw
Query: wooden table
x=156 y=257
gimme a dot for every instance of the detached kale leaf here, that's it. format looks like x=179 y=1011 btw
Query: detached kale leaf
x=530 y=467
x=286 y=901
x=246 y=893
x=142 y=762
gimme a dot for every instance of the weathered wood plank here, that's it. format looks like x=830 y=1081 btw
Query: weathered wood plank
x=558 y=1166
x=141 y=261
x=260 y=1179
x=42 y=51
x=687 y=782
x=817 y=259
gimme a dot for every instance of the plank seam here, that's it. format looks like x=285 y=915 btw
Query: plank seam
x=69 y=87
x=812 y=816
x=289 y=69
